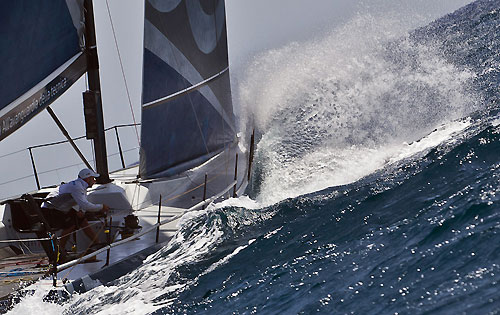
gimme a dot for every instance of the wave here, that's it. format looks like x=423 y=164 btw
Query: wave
x=376 y=185
x=335 y=109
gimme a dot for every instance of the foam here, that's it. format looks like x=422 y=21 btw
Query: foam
x=336 y=109
x=33 y=304
x=330 y=112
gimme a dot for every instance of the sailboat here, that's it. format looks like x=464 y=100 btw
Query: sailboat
x=190 y=152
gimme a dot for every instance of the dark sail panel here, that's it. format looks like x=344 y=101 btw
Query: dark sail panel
x=187 y=113
x=40 y=54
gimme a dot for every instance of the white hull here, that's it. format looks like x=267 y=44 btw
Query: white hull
x=127 y=195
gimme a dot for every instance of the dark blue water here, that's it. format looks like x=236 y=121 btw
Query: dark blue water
x=418 y=235
x=421 y=236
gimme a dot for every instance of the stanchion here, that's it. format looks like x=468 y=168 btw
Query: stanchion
x=250 y=156
x=235 y=175
x=108 y=238
x=158 y=228
x=34 y=169
x=205 y=190
x=55 y=258
x=119 y=147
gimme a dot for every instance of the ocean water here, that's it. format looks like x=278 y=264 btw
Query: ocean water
x=376 y=186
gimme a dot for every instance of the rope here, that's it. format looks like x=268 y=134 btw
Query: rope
x=148 y=201
x=74 y=139
x=26 y=240
x=16 y=179
x=182 y=194
x=47 y=238
x=54 y=143
x=62 y=168
x=86 y=250
x=16 y=273
x=25 y=246
x=29 y=262
x=12 y=153
x=17 y=280
x=123 y=73
x=151 y=202
x=75 y=231
x=208 y=181
x=151 y=228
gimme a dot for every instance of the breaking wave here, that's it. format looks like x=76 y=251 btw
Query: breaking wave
x=375 y=188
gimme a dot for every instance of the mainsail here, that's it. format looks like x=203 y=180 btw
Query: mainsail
x=187 y=113
x=41 y=55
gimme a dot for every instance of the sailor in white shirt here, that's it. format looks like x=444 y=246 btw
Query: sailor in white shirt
x=59 y=204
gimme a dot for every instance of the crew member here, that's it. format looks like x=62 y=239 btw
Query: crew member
x=59 y=212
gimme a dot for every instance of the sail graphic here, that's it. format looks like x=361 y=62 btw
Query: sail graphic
x=187 y=112
x=40 y=59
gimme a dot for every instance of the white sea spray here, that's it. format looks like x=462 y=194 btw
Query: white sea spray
x=337 y=108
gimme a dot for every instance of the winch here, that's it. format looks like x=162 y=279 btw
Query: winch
x=131 y=225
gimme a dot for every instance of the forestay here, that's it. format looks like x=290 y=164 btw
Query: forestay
x=41 y=56
x=187 y=113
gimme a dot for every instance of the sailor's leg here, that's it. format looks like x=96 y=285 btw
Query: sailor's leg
x=88 y=231
x=66 y=233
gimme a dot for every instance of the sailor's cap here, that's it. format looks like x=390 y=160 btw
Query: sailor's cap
x=85 y=173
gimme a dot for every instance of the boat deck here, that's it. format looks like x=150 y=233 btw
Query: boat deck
x=146 y=199
x=18 y=270
x=21 y=269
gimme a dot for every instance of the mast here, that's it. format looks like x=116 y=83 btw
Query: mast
x=92 y=103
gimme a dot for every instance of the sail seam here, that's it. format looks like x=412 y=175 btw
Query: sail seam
x=185 y=91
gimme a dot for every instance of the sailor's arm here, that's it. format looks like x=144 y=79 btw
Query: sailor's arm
x=81 y=199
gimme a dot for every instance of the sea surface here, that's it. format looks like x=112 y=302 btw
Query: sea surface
x=376 y=187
